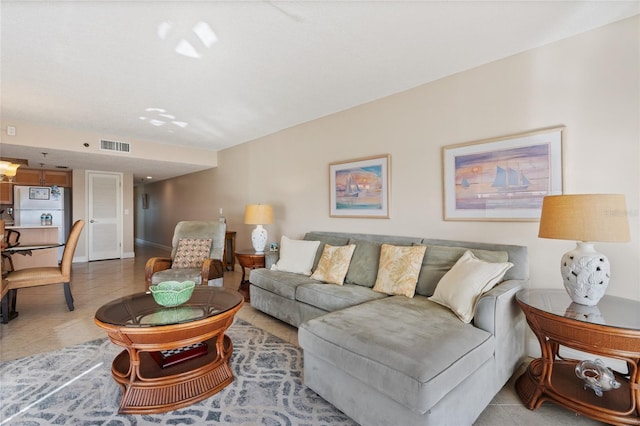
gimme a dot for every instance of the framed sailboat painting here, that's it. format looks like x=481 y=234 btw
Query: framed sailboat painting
x=503 y=178
x=360 y=188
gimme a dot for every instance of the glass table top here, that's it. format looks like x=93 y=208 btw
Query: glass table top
x=611 y=311
x=141 y=310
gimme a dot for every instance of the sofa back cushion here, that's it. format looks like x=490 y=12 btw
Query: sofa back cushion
x=438 y=260
x=324 y=239
x=363 y=268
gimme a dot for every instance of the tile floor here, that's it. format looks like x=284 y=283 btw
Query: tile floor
x=45 y=324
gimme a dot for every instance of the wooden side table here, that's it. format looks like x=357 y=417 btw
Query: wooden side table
x=251 y=260
x=609 y=329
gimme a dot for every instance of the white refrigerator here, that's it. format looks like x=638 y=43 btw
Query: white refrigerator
x=30 y=202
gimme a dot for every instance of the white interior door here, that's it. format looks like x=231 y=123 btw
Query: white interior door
x=104 y=213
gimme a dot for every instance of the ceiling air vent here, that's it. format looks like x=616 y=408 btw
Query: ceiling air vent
x=115 y=146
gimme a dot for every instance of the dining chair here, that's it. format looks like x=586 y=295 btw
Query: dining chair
x=11 y=238
x=43 y=275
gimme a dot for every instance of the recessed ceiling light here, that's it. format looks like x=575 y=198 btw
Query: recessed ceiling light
x=180 y=124
x=149 y=177
x=157 y=122
x=169 y=116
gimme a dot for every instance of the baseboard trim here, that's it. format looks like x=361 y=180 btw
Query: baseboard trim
x=152 y=244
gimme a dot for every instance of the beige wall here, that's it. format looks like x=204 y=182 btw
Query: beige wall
x=589 y=83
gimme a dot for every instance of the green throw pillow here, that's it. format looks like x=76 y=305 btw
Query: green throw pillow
x=363 y=268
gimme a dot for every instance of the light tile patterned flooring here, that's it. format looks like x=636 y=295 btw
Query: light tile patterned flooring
x=45 y=324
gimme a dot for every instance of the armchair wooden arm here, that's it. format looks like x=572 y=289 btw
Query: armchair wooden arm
x=211 y=269
x=154 y=265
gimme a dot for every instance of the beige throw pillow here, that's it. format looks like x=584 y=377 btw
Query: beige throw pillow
x=334 y=264
x=296 y=256
x=461 y=287
x=191 y=252
x=398 y=269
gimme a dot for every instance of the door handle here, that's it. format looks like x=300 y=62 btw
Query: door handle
x=91 y=221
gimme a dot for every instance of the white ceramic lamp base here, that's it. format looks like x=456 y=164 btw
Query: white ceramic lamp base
x=585 y=273
x=259 y=239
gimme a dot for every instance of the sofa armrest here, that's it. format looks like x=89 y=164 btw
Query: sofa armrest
x=271 y=258
x=498 y=313
x=154 y=265
x=498 y=307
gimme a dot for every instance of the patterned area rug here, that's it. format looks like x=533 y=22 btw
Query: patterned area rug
x=74 y=386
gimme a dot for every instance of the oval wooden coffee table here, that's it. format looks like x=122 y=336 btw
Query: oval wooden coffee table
x=173 y=357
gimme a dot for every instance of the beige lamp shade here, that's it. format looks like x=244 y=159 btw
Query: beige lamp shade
x=585 y=217
x=258 y=214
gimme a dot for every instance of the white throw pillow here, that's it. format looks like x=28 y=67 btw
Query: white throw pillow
x=461 y=287
x=296 y=256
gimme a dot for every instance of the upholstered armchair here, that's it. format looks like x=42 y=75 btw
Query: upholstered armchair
x=197 y=248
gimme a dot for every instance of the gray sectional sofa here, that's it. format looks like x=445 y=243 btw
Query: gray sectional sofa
x=395 y=360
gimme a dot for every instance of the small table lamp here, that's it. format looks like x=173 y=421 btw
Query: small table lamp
x=585 y=218
x=258 y=214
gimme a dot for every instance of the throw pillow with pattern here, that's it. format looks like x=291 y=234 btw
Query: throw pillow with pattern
x=334 y=264
x=398 y=269
x=191 y=252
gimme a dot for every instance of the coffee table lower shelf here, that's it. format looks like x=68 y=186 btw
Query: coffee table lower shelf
x=155 y=390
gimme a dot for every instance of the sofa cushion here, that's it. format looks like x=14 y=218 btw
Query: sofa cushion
x=398 y=269
x=333 y=297
x=296 y=256
x=281 y=283
x=191 y=252
x=334 y=264
x=364 y=263
x=439 y=259
x=324 y=239
x=412 y=350
x=461 y=287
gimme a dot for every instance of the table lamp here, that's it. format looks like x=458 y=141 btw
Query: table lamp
x=585 y=218
x=258 y=214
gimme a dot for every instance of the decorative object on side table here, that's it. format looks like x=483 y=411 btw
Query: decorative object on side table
x=172 y=293
x=585 y=218
x=597 y=376
x=258 y=214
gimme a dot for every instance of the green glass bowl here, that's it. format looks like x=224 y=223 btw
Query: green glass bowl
x=172 y=293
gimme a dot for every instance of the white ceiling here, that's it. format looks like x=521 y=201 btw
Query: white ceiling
x=102 y=65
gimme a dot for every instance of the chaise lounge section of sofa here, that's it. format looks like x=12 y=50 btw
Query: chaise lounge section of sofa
x=390 y=359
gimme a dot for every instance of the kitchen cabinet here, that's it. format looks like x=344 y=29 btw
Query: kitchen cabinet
x=41 y=177
x=6 y=193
